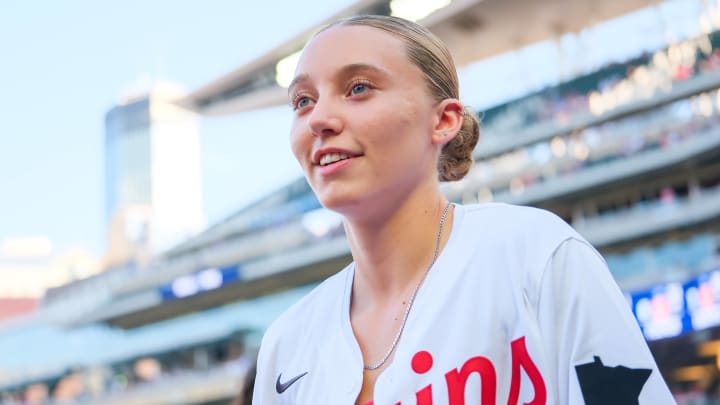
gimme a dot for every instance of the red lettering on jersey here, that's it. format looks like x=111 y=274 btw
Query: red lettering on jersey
x=422 y=363
x=521 y=361
x=457 y=379
x=424 y=396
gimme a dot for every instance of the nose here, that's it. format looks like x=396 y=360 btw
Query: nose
x=325 y=119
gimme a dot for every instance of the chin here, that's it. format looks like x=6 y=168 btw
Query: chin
x=335 y=203
x=342 y=203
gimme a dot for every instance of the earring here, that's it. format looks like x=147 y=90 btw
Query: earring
x=445 y=134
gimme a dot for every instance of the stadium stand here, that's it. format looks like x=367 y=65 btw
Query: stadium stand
x=628 y=155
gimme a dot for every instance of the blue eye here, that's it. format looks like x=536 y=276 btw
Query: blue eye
x=358 y=88
x=300 y=102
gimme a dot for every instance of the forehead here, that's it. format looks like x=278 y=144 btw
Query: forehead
x=344 y=45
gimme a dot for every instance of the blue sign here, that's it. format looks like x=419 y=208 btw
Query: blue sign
x=201 y=281
x=672 y=309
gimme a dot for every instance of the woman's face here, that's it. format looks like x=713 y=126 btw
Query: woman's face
x=363 y=119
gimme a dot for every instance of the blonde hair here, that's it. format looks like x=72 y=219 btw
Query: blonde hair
x=431 y=56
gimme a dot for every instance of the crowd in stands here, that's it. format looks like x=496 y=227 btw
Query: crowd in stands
x=565 y=155
x=608 y=88
x=699 y=253
x=93 y=384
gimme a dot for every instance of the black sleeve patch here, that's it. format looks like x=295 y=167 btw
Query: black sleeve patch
x=603 y=385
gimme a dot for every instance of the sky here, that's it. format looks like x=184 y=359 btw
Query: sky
x=65 y=63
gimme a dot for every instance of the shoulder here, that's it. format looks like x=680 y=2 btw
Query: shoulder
x=521 y=240
x=510 y=214
x=515 y=224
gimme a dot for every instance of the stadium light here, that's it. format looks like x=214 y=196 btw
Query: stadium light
x=415 y=10
x=285 y=69
x=210 y=279
x=558 y=147
x=185 y=286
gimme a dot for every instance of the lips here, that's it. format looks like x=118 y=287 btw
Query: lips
x=329 y=161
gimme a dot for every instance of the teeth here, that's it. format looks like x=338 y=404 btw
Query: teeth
x=332 y=158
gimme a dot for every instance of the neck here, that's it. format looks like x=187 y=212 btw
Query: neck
x=393 y=249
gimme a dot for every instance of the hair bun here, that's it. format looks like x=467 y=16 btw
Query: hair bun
x=456 y=156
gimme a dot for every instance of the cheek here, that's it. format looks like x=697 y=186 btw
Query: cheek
x=402 y=131
x=298 y=145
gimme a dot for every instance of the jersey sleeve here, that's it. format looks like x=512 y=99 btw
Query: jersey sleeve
x=594 y=345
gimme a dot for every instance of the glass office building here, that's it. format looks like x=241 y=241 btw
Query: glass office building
x=152 y=175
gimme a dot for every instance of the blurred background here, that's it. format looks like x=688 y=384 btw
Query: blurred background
x=154 y=221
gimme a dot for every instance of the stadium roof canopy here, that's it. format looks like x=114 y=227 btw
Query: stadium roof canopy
x=473 y=30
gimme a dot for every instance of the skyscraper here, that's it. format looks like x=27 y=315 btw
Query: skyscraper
x=152 y=175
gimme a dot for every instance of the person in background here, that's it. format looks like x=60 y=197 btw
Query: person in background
x=245 y=396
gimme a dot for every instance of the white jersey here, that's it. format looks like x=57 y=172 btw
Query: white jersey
x=517 y=309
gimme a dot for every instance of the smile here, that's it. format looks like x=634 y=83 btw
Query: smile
x=332 y=158
x=333 y=163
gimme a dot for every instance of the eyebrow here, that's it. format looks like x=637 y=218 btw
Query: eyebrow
x=345 y=71
x=299 y=78
x=354 y=68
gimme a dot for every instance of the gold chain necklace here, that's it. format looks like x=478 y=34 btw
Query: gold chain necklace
x=395 y=341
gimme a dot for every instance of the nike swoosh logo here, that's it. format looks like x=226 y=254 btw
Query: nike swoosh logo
x=281 y=387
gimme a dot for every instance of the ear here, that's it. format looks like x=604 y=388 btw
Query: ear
x=449 y=120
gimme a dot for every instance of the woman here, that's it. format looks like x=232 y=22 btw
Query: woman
x=443 y=304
